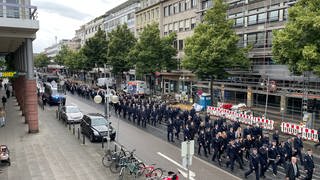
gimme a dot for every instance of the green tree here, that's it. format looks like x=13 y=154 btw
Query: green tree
x=95 y=50
x=41 y=60
x=74 y=61
x=152 y=53
x=298 y=44
x=121 y=41
x=212 y=49
x=60 y=58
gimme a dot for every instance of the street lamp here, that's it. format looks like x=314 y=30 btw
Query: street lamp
x=108 y=96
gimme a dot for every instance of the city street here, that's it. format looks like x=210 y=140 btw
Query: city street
x=150 y=148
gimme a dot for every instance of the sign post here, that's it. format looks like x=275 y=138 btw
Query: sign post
x=187 y=151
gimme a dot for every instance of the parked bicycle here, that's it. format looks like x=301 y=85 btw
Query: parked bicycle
x=131 y=168
x=111 y=156
x=116 y=165
x=150 y=171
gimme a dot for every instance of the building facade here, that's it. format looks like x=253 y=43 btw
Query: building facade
x=150 y=12
x=53 y=50
x=124 y=13
x=89 y=29
x=18 y=27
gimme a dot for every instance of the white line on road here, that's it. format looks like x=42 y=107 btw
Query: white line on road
x=192 y=173
x=176 y=163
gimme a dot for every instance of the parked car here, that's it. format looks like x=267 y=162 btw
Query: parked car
x=71 y=114
x=95 y=126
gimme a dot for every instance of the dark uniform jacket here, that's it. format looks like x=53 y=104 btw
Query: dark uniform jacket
x=308 y=162
x=290 y=172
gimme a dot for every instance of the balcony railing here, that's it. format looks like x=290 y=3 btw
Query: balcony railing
x=18 y=11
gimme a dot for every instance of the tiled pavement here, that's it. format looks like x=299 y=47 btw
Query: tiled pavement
x=53 y=153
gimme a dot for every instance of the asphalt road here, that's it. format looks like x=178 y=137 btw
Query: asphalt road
x=149 y=148
x=152 y=147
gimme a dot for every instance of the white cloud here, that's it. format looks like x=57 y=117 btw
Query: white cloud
x=62 y=17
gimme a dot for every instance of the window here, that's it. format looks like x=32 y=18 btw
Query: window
x=239 y=22
x=285 y=14
x=274 y=15
x=165 y=29
x=241 y=41
x=187 y=5
x=193 y=23
x=176 y=8
x=187 y=24
x=176 y=26
x=166 y=11
x=12 y=12
x=181 y=26
x=181 y=6
x=262 y=17
x=170 y=28
x=175 y=44
x=260 y=40
x=193 y=3
x=251 y=39
x=269 y=39
x=170 y=10
x=180 y=45
x=252 y=19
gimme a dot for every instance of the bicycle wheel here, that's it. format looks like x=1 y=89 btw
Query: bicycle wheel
x=107 y=160
x=156 y=173
x=122 y=173
x=141 y=167
x=115 y=167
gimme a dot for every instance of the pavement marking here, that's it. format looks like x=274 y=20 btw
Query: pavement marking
x=185 y=174
x=176 y=163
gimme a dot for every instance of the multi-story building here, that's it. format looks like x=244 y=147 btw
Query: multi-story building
x=124 y=13
x=180 y=16
x=88 y=30
x=53 y=50
x=149 y=12
x=18 y=27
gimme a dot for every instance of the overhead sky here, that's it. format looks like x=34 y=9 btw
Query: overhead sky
x=60 y=18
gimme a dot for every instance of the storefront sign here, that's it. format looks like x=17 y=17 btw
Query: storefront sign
x=8 y=74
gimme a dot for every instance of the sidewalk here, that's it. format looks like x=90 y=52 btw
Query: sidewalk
x=53 y=153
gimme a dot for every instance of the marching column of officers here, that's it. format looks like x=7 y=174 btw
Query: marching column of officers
x=217 y=137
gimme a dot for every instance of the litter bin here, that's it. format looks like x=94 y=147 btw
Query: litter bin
x=205 y=100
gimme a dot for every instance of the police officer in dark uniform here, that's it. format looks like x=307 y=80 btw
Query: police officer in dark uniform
x=170 y=127
x=153 y=116
x=217 y=147
x=254 y=164
x=263 y=152
x=281 y=154
x=272 y=155
x=231 y=154
x=298 y=146
x=308 y=164
x=177 y=125
x=208 y=138
x=186 y=133
x=202 y=143
x=288 y=150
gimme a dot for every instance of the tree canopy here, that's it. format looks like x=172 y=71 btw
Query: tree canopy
x=121 y=41
x=95 y=50
x=213 y=46
x=298 y=44
x=41 y=60
x=152 y=53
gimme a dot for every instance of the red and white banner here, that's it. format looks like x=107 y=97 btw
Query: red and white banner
x=243 y=118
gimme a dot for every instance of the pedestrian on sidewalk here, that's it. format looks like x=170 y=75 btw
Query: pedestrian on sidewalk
x=4 y=101
x=308 y=164
x=2 y=117
x=8 y=93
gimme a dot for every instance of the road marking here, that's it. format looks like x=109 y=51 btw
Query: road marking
x=176 y=163
x=185 y=174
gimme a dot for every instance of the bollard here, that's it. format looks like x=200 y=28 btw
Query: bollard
x=57 y=114
x=73 y=129
x=78 y=133
x=115 y=148
x=69 y=126
x=102 y=145
x=83 y=139
x=66 y=124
